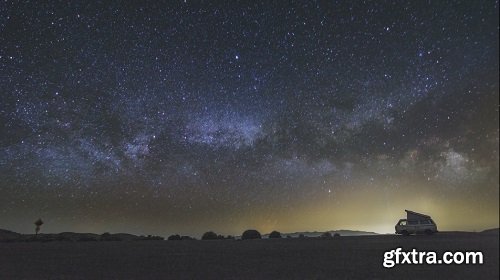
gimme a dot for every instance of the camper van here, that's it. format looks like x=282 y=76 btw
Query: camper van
x=416 y=223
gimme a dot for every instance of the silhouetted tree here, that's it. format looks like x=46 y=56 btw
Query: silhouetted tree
x=209 y=235
x=251 y=234
x=38 y=224
x=275 y=234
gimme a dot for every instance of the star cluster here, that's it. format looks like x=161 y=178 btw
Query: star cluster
x=185 y=116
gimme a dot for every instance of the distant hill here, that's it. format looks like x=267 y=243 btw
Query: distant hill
x=74 y=236
x=342 y=232
x=125 y=236
x=491 y=231
x=7 y=235
x=10 y=236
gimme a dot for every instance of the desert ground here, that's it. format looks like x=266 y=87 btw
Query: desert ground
x=345 y=257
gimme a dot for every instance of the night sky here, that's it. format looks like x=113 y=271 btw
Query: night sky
x=189 y=116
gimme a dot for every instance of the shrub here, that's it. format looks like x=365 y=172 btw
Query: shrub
x=251 y=234
x=209 y=235
x=151 y=237
x=156 y=237
x=336 y=234
x=275 y=234
x=326 y=235
x=302 y=236
x=174 y=237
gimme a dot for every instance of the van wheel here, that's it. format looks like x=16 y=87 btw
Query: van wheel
x=405 y=233
x=428 y=232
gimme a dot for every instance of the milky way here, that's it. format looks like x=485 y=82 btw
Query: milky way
x=182 y=117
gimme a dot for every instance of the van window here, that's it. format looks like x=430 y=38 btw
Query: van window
x=402 y=223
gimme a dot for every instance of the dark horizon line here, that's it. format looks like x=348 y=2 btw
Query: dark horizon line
x=264 y=234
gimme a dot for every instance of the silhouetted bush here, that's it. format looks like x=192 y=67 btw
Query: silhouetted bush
x=251 y=234
x=275 y=234
x=150 y=237
x=326 y=235
x=230 y=237
x=174 y=237
x=336 y=234
x=185 y=237
x=209 y=235
x=302 y=236
x=155 y=237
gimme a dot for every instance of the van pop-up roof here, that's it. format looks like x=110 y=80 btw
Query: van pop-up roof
x=414 y=216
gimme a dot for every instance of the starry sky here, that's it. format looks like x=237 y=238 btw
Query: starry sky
x=153 y=117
